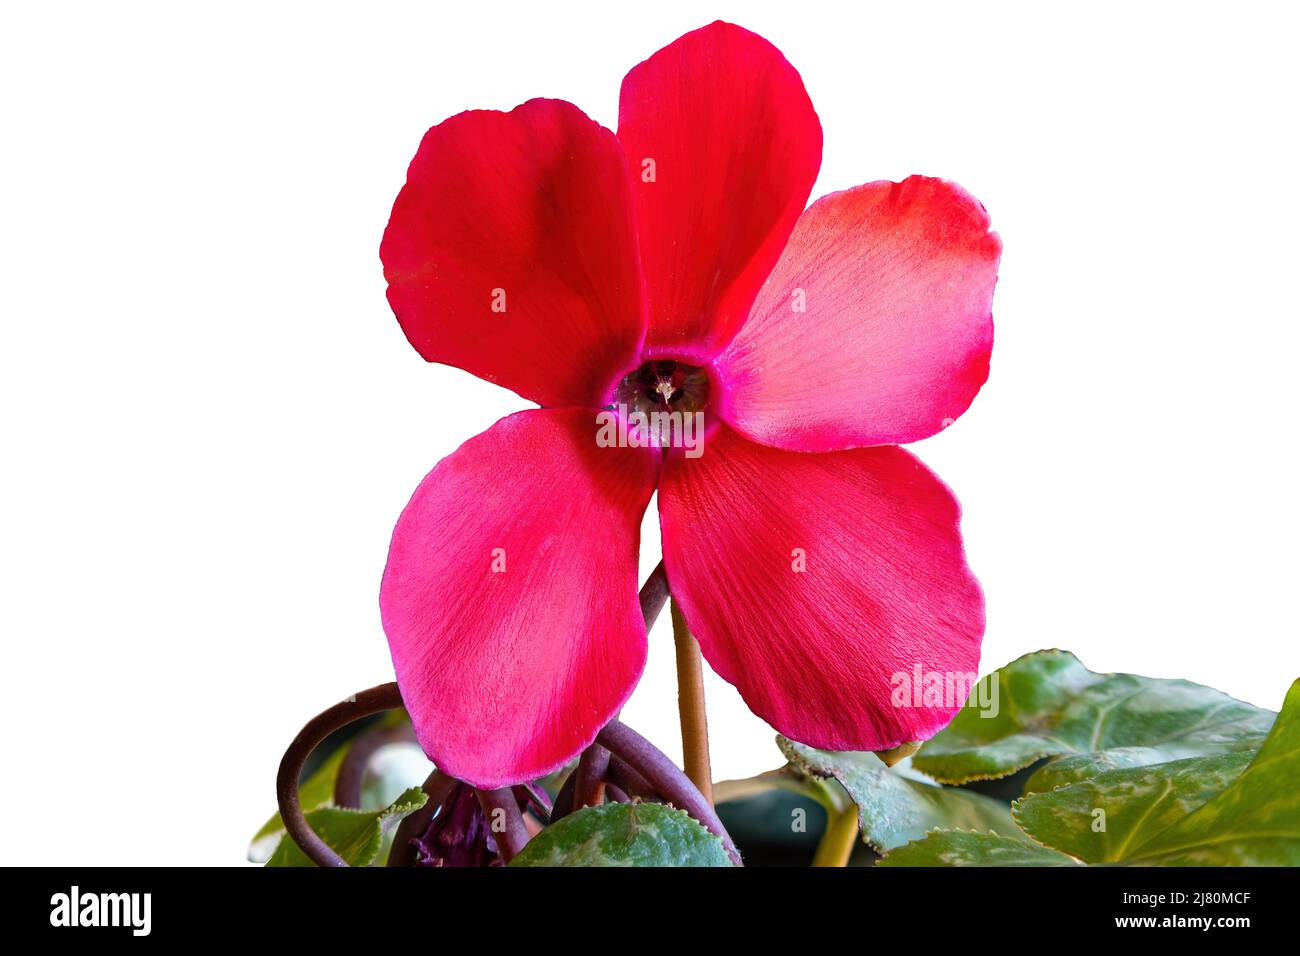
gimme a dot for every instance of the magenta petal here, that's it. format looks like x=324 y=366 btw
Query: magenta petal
x=510 y=596
x=511 y=252
x=876 y=325
x=724 y=147
x=819 y=584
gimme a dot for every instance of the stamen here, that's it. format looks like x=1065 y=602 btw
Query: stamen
x=664 y=385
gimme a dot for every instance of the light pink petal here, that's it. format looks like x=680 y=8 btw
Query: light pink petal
x=884 y=589
x=735 y=147
x=897 y=281
x=511 y=252
x=510 y=596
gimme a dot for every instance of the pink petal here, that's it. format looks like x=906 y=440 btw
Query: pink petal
x=897 y=279
x=736 y=147
x=509 y=670
x=527 y=211
x=885 y=587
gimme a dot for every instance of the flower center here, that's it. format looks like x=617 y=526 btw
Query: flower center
x=664 y=386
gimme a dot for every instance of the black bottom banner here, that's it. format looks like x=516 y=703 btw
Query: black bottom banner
x=383 y=906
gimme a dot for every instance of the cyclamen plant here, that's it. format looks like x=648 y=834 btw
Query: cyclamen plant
x=689 y=328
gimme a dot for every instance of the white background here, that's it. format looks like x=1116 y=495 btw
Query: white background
x=211 y=419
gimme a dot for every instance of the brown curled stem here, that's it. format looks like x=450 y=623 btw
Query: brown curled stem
x=654 y=595
x=629 y=781
x=564 y=804
x=666 y=778
x=367 y=702
x=501 y=807
x=616 y=795
x=589 y=782
x=583 y=786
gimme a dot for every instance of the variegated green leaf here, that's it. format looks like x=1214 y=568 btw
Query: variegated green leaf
x=892 y=808
x=1254 y=822
x=959 y=848
x=1107 y=818
x=624 y=834
x=1047 y=704
x=826 y=792
x=355 y=835
x=1200 y=811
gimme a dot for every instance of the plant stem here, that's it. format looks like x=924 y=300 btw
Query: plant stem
x=653 y=594
x=501 y=807
x=840 y=838
x=585 y=786
x=362 y=704
x=589 y=777
x=690 y=706
x=628 y=780
x=664 y=777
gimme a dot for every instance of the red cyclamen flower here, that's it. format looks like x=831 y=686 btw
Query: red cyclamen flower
x=673 y=266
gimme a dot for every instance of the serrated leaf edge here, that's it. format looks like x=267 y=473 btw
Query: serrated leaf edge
x=1028 y=839
x=1058 y=652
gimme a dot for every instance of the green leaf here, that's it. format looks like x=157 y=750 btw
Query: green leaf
x=1199 y=811
x=1255 y=821
x=827 y=793
x=1047 y=704
x=893 y=809
x=960 y=848
x=355 y=835
x=624 y=834
x=1107 y=818
x=731 y=791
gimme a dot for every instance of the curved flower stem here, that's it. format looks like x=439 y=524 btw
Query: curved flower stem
x=616 y=795
x=583 y=786
x=501 y=807
x=690 y=706
x=653 y=594
x=628 y=780
x=367 y=702
x=564 y=799
x=352 y=771
x=589 y=777
x=666 y=779
x=841 y=836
